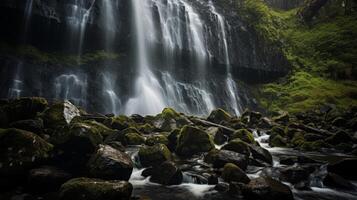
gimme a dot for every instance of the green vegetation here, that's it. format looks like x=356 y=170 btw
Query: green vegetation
x=323 y=55
x=38 y=56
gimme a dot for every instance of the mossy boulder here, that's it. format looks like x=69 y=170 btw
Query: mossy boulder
x=173 y=138
x=146 y=128
x=283 y=118
x=32 y=125
x=95 y=189
x=244 y=135
x=266 y=188
x=277 y=141
x=239 y=146
x=218 y=116
x=193 y=140
x=60 y=114
x=24 y=108
x=122 y=122
x=100 y=128
x=134 y=139
x=109 y=163
x=79 y=138
x=217 y=134
x=261 y=154
x=338 y=138
x=21 y=150
x=297 y=140
x=167 y=173
x=157 y=139
x=313 y=146
x=154 y=155
x=169 y=120
x=232 y=173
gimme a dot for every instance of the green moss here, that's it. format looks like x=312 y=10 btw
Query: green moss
x=40 y=57
x=154 y=155
x=238 y=146
x=219 y=115
x=134 y=139
x=277 y=141
x=146 y=128
x=193 y=140
x=319 y=53
x=169 y=113
x=244 y=135
x=157 y=139
x=313 y=146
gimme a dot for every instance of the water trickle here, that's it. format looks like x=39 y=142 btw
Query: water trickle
x=108 y=20
x=72 y=87
x=16 y=88
x=231 y=85
x=111 y=100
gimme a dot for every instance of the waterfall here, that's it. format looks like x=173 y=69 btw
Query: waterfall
x=77 y=18
x=231 y=85
x=112 y=102
x=72 y=87
x=148 y=92
x=108 y=19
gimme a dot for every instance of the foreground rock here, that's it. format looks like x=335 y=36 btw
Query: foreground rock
x=218 y=116
x=167 y=174
x=193 y=140
x=109 y=163
x=47 y=179
x=154 y=155
x=95 y=189
x=219 y=158
x=345 y=168
x=265 y=188
x=60 y=114
x=232 y=173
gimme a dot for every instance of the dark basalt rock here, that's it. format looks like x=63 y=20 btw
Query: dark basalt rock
x=95 y=189
x=32 y=125
x=262 y=154
x=336 y=181
x=167 y=174
x=232 y=173
x=218 y=116
x=345 y=168
x=218 y=158
x=47 y=179
x=109 y=163
x=238 y=146
x=265 y=188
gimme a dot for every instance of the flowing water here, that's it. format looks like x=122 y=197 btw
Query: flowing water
x=72 y=87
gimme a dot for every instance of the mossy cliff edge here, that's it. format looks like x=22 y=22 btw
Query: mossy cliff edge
x=322 y=52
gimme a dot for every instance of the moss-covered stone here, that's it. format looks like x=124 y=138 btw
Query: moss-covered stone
x=193 y=140
x=218 y=116
x=277 y=141
x=146 y=128
x=232 y=173
x=298 y=139
x=169 y=120
x=20 y=150
x=60 y=114
x=173 y=138
x=313 y=146
x=157 y=139
x=244 y=135
x=122 y=122
x=24 y=108
x=134 y=139
x=154 y=155
x=95 y=189
x=239 y=146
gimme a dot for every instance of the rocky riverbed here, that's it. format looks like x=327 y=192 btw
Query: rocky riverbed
x=54 y=150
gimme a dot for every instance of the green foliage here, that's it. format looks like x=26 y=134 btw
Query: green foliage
x=319 y=53
x=38 y=56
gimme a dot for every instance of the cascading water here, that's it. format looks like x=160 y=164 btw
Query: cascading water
x=148 y=92
x=112 y=101
x=231 y=85
x=72 y=87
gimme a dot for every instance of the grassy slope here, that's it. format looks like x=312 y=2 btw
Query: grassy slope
x=319 y=53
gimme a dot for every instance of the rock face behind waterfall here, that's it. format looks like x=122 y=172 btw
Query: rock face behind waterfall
x=56 y=28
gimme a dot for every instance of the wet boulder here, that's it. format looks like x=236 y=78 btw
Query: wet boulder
x=295 y=174
x=244 y=135
x=238 y=146
x=261 y=154
x=218 y=158
x=121 y=122
x=21 y=150
x=338 y=182
x=283 y=118
x=193 y=140
x=173 y=138
x=32 y=125
x=217 y=135
x=277 y=141
x=167 y=173
x=47 y=179
x=134 y=139
x=345 y=168
x=232 y=173
x=266 y=188
x=81 y=138
x=95 y=189
x=338 y=138
x=169 y=120
x=60 y=114
x=154 y=155
x=109 y=163
x=24 y=108
x=157 y=139
x=218 y=116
